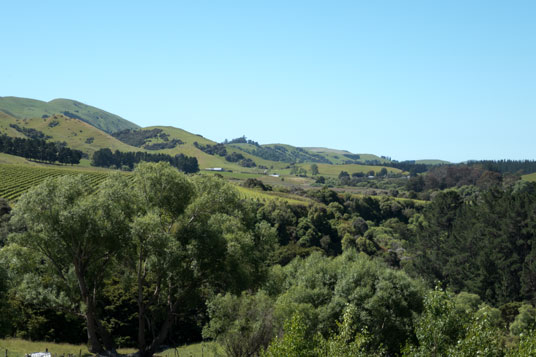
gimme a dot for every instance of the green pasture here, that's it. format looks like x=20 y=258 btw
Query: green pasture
x=264 y=196
x=16 y=347
x=76 y=133
x=529 y=177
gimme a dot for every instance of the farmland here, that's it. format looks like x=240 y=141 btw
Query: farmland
x=17 y=179
x=264 y=196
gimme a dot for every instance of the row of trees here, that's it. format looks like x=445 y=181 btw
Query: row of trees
x=30 y=133
x=447 y=176
x=241 y=140
x=503 y=166
x=107 y=158
x=40 y=150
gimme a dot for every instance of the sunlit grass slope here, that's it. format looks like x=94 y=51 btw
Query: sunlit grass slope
x=24 y=108
x=205 y=160
x=76 y=133
x=15 y=160
x=338 y=156
x=529 y=177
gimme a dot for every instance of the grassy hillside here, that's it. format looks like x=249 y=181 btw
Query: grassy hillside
x=205 y=160
x=15 y=160
x=78 y=125
x=529 y=177
x=76 y=133
x=24 y=108
x=339 y=156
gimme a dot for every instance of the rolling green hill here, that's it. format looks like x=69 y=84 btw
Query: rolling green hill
x=343 y=156
x=24 y=108
x=89 y=129
x=76 y=133
x=205 y=160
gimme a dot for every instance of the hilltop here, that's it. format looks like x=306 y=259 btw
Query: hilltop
x=25 y=108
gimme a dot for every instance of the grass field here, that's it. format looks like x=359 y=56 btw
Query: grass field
x=17 y=179
x=15 y=160
x=19 y=348
x=529 y=177
x=264 y=196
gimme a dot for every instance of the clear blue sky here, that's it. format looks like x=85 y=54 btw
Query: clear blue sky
x=454 y=80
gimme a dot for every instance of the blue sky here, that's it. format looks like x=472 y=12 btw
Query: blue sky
x=453 y=80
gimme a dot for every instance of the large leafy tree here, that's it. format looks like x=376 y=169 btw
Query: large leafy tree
x=172 y=239
x=76 y=234
x=189 y=238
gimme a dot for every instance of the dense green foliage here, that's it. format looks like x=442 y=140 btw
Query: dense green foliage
x=484 y=244
x=217 y=149
x=30 y=132
x=240 y=159
x=157 y=257
x=118 y=159
x=39 y=150
x=140 y=138
x=513 y=166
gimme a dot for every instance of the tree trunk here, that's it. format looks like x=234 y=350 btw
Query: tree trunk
x=107 y=339
x=93 y=341
x=142 y=345
x=159 y=339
